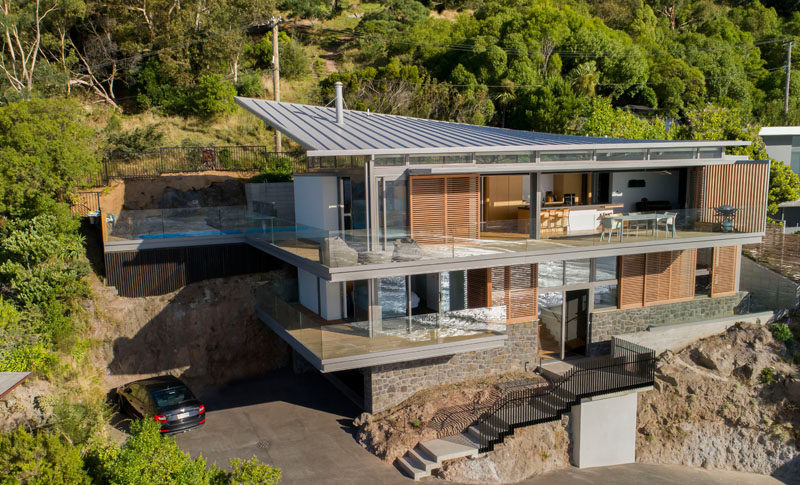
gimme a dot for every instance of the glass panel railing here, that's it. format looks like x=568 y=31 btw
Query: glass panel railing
x=563 y=227
x=334 y=339
x=183 y=222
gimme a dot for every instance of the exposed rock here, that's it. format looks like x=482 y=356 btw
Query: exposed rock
x=533 y=450
x=792 y=386
x=701 y=415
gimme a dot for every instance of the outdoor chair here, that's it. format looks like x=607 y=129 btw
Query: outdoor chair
x=669 y=222
x=609 y=225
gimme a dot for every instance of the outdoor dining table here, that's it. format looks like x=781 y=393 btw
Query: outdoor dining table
x=655 y=218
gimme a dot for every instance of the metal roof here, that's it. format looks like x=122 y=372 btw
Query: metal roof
x=365 y=133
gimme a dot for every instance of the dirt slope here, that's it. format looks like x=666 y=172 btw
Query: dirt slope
x=710 y=407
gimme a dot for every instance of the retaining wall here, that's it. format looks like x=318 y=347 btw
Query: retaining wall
x=391 y=384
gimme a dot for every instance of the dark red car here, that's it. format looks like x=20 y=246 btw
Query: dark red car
x=165 y=399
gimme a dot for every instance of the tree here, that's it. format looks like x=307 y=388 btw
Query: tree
x=605 y=120
x=46 y=150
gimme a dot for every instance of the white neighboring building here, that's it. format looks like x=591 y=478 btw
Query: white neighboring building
x=783 y=143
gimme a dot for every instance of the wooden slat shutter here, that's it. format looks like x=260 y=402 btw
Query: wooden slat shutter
x=427 y=208
x=742 y=185
x=522 y=293
x=667 y=276
x=657 y=277
x=447 y=205
x=479 y=288
x=723 y=270
x=631 y=280
x=684 y=270
x=463 y=206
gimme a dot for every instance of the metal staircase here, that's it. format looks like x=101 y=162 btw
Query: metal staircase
x=629 y=367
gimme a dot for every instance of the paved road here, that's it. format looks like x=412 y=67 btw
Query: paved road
x=301 y=424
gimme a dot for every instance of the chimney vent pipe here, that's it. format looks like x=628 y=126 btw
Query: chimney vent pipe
x=337 y=87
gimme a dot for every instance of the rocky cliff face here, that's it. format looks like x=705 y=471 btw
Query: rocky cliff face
x=715 y=406
x=207 y=333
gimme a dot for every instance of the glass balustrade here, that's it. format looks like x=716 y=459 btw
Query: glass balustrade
x=335 y=339
x=562 y=228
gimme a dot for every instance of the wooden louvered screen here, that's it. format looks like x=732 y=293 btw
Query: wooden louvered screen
x=463 y=206
x=479 y=288
x=742 y=185
x=522 y=293
x=723 y=270
x=516 y=288
x=447 y=205
x=663 y=277
x=631 y=280
x=427 y=208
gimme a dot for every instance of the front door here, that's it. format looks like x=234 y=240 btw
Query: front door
x=576 y=322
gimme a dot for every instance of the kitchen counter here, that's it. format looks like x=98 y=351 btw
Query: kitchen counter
x=560 y=205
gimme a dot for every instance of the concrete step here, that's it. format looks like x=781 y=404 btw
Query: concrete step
x=481 y=433
x=451 y=447
x=410 y=467
x=422 y=457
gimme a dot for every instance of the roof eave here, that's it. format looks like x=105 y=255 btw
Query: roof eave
x=526 y=148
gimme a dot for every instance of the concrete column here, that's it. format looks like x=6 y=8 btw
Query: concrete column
x=604 y=431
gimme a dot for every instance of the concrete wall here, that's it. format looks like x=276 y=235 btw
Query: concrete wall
x=604 y=431
x=658 y=186
x=768 y=290
x=388 y=385
x=316 y=201
x=261 y=198
x=308 y=290
x=676 y=337
x=606 y=323
x=779 y=147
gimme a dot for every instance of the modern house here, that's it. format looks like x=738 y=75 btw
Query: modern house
x=430 y=252
x=783 y=143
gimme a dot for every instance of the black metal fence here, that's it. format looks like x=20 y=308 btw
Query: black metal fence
x=629 y=366
x=170 y=160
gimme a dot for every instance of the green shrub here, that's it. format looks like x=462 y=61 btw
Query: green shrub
x=767 y=375
x=40 y=458
x=149 y=458
x=213 y=95
x=249 y=85
x=246 y=472
x=781 y=332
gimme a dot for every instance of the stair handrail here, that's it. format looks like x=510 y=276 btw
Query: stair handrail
x=624 y=355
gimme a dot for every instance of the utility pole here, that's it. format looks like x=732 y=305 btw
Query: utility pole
x=788 y=77
x=276 y=76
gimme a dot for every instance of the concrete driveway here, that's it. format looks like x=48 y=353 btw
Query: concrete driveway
x=301 y=424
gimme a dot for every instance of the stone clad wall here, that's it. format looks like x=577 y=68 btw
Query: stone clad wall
x=606 y=323
x=391 y=384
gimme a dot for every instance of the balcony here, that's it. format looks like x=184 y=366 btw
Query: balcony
x=348 y=255
x=336 y=345
x=358 y=250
